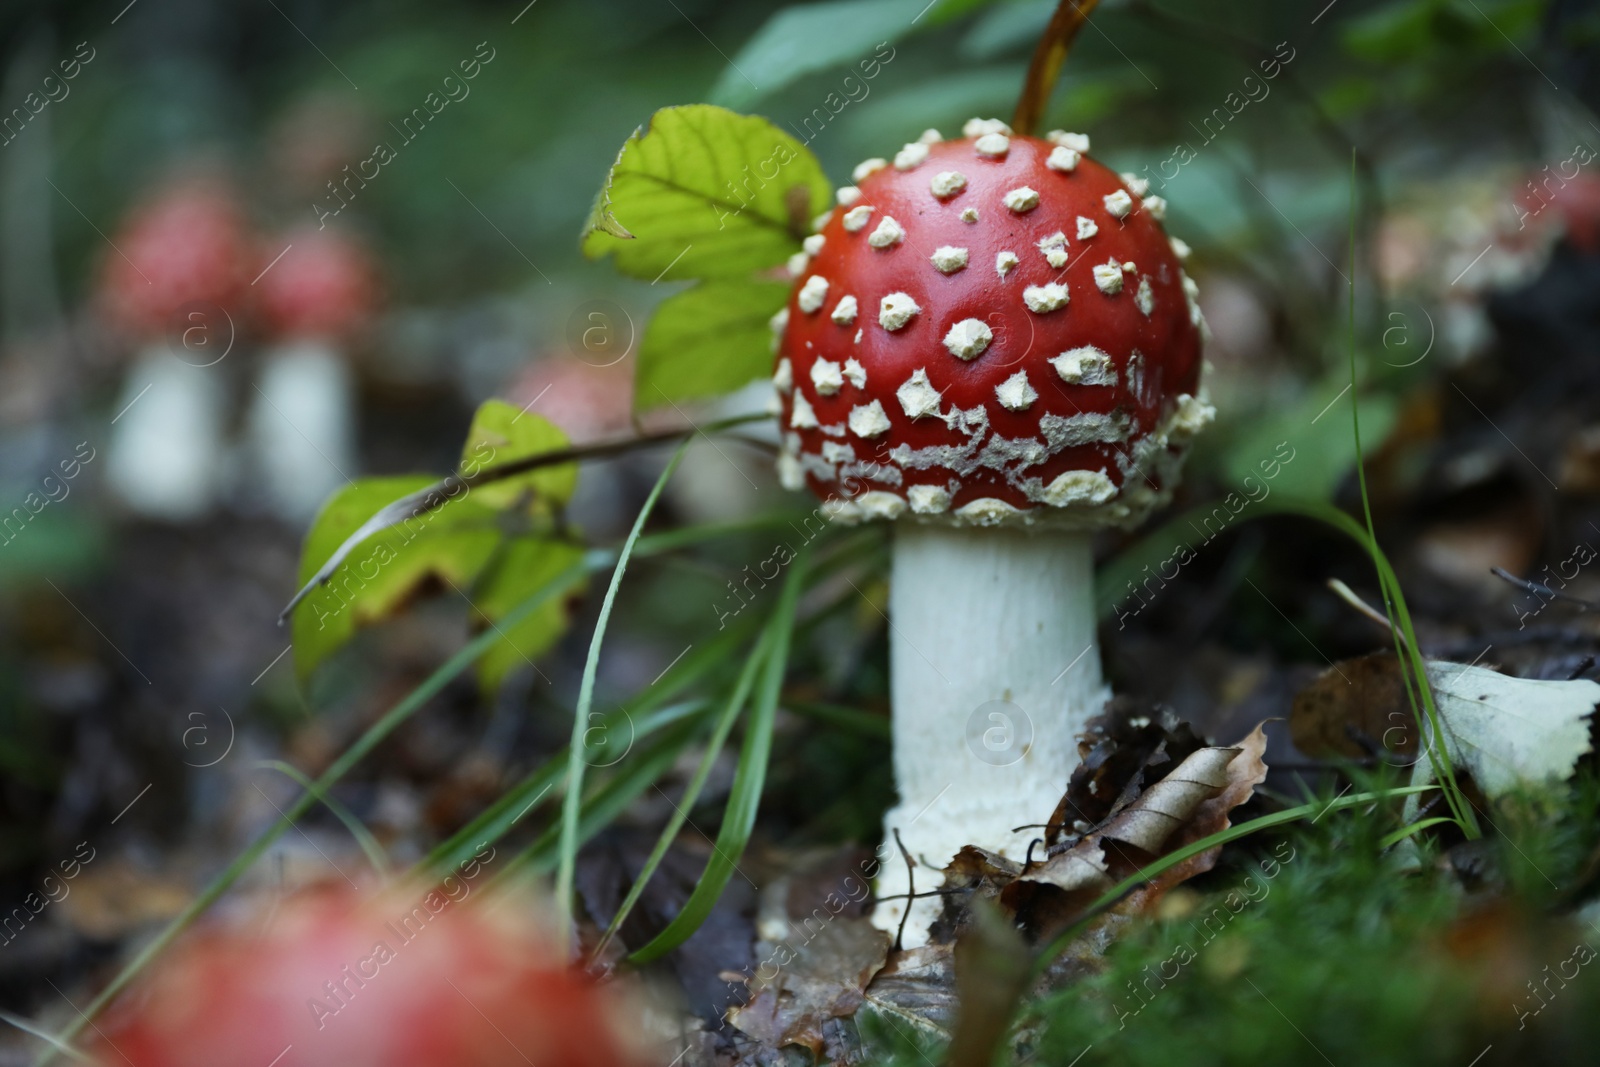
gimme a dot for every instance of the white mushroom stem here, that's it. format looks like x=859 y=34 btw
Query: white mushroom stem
x=164 y=458
x=994 y=670
x=302 y=426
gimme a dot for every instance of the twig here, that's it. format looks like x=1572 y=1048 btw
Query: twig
x=435 y=496
x=1045 y=67
x=911 y=890
x=1543 y=592
x=1348 y=595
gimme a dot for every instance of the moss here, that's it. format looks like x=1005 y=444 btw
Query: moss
x=1324 y=949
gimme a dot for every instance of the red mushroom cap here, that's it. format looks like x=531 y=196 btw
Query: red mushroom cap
x=990 y=330
x=326 y=284
x=338 y=980
x=190 y=244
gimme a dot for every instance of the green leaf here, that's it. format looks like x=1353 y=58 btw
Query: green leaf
x=811 y=37
x=707 y=341
x=501 y=433
x=450 y=545
x=523 y=567
x=1317 y=431
x=707 y=193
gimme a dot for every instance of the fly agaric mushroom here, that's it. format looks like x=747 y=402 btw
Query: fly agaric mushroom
x=317 y=290
x=338 y=980
x=176 y=282
x=992 y=341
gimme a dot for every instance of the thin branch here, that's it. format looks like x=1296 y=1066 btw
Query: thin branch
x=1045 y=68
x=432 y=497
x=1542 y=591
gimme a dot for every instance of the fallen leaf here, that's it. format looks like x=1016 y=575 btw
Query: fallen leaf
x=1353 y=710
x=1191 y=802
x=1509 y=733
x=973 y=874
x=1117 y=750
x=917 y=988
x=821 y=980
x=118 y=899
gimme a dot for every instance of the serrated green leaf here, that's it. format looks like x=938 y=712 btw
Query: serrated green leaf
x=501 y=433
x=524 y=566
x=707 y=193
x=450 y=544
x=706 y=341
x=811 y=37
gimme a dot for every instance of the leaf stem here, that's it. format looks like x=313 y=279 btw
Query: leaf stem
x=1045 y=68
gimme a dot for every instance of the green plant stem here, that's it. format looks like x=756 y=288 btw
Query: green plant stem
x=1406 y=652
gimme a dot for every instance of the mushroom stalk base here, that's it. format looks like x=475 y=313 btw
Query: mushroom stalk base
x=994 y=670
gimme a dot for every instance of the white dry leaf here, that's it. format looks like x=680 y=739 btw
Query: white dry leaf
x=1509 y=733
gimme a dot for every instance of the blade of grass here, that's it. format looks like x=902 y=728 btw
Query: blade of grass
x=1412 y=828
x=697 y=664
x=29 y=1027
x=573 y=798
x=508 y=809
x=738 y=819
x=1406 y=652
x=691 y=793
x=1110 y=897
x=604 y=804
x=852 y=719
x=358 y=830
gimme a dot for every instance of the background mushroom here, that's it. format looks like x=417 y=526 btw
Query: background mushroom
x=175 y=283
x=314 y=299
x=991 y=340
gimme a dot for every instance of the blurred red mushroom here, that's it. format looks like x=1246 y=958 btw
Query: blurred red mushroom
x=405 y=979
x=316 y=291
x=175 y=281
x=190 y=244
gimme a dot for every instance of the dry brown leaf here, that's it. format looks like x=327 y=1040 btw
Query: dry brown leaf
x=116 y=899
x=973 y=874
x=918 y=987
x=1190 y=803
x=1354 y=709
x=1120 y=750
x=823 y=979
